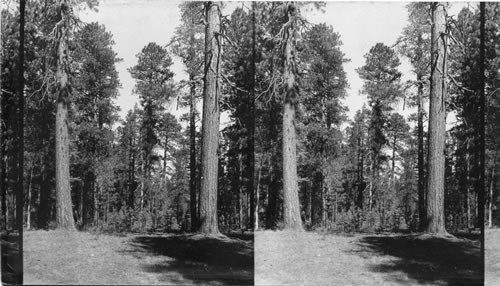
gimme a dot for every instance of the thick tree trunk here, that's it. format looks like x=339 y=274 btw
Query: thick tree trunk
x=437 y=121
x=210 y=123
x=291 y=215
x=64 y=212
x=192 y=154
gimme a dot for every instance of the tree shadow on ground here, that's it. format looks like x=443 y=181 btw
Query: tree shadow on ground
x=12 y=271
x=201 y=259
x=426 y=259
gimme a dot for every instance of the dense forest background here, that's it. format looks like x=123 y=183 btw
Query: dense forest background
x=142 y=172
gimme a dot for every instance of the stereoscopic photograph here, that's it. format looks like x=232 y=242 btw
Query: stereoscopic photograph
x=151 y=142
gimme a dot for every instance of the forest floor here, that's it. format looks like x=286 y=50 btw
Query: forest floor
x=58 y=257
x=309 y=258
x=492 y=263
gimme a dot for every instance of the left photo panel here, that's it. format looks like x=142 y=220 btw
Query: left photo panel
x=123 y=157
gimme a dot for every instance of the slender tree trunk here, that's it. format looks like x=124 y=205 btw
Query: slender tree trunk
x=142 y=195
x=106 y=210
x=95 y=191
x=210 y=126
x=28 y=211
x=335 y=207
x=272 y=200
x=43 y=207
x=468 y=203
x=469 y=189
x=482 y=165
x=291 y=215
x=490 y=204
x=3 y=193
x=323 y=198
x=81 y=209
x=165 y=150
x=251 y=142
x=192 y=154
x=370 y=195
x=240 y=192
x=437 y=121
x=361 y=179
x=64 y=212
x=309 y=202
x=3 y=171
x=20 y=147
x=257 y=193
x=420 y=134
x=393 y=167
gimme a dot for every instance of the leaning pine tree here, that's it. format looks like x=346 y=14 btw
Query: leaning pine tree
x=292 y=219
x=64 y=213
x=210 y=121
x=437 y=121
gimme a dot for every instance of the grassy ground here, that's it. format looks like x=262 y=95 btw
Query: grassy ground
x=56 y=257
x=492 y=263
x=318 y=259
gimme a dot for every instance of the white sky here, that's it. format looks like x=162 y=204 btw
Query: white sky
x=134 y=23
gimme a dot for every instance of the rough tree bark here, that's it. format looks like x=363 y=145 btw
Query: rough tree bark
x=64 y=212
x=437 y=121
x=210 y=122
x=291 y=208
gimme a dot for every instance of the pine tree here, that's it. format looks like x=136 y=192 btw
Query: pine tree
x=437 y=121
x=64 y=206
x=210 y=121
x=291 y=209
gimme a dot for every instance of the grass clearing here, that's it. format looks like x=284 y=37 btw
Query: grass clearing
x=308 y=258
x=58 y=257
x=492 y=260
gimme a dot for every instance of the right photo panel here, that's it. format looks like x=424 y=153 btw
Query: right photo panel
x=377 y=143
